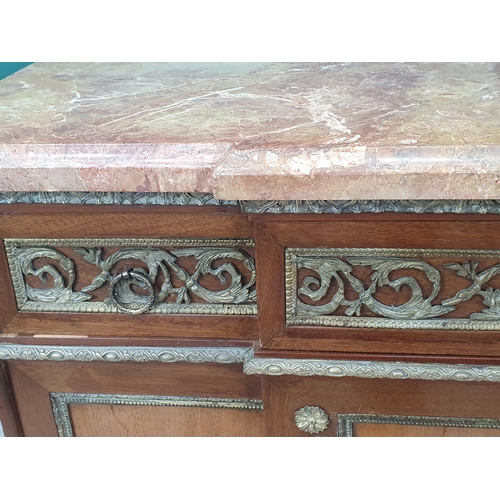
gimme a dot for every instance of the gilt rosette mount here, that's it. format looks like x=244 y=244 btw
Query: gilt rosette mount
x=393 y=288
x=133 y=276
x=312 y=419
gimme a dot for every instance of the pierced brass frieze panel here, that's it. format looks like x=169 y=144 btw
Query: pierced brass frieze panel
x=393 y=288
x=187 y=276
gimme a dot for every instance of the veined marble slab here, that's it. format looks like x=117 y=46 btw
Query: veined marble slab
x=254 y=131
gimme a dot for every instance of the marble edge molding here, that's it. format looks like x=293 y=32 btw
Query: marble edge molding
x=251 y=365
x=22 y=352
x=252 y=206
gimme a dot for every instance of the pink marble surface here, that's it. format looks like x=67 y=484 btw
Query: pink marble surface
x=254 y=131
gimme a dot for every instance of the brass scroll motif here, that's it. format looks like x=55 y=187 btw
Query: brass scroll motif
x=164 y=261
x=310 y=301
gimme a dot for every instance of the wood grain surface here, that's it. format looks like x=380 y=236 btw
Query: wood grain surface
x=34 y=381
x=375 y=397
x=157 y=421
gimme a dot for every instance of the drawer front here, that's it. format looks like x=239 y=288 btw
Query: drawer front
x=412 y=287
x=113 y=271
x=186 y=276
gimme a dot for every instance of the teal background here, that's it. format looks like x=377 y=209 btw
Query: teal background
x=7 y=68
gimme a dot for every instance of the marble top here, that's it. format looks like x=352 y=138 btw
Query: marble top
x=254 y=131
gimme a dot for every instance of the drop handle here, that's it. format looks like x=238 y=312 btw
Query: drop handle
x=140 y=279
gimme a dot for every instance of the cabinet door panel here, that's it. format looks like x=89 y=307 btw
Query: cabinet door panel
x=371 y=407
x=135 y=399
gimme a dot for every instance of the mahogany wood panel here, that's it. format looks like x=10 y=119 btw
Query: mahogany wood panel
x=146 y=325
x=371 y=231
x=270 y=266
x=360 y=356
x=167 y=379
x=120 y=341
x=456 y=234
x=280 y=407
x=66 y=221
x=8 y=305
x=34 y=406
x=391 y=430
x=395 y=341
x=376 y=397
x=33 y=381
x=8 y=411
x=152 y=421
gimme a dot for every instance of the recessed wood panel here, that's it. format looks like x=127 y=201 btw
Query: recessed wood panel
x=388 y=430
x=34 y=382
x=381 y=397
x=126 y=421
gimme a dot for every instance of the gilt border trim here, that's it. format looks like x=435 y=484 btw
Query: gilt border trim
x=346 y=422
x=254 y=366
x=370 y=206
x=60 y=402
x=370 y=369
x=252 y=206
x=225 y=355
x=120 y=242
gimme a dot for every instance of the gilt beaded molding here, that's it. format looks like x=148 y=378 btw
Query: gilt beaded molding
x=60 y=402
x=346 y=422
x=225 y=355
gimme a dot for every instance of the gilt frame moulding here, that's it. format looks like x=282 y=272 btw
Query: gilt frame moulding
x=251 y=365
x=61 y=401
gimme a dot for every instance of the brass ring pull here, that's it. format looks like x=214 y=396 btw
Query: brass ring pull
x=143 y=281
